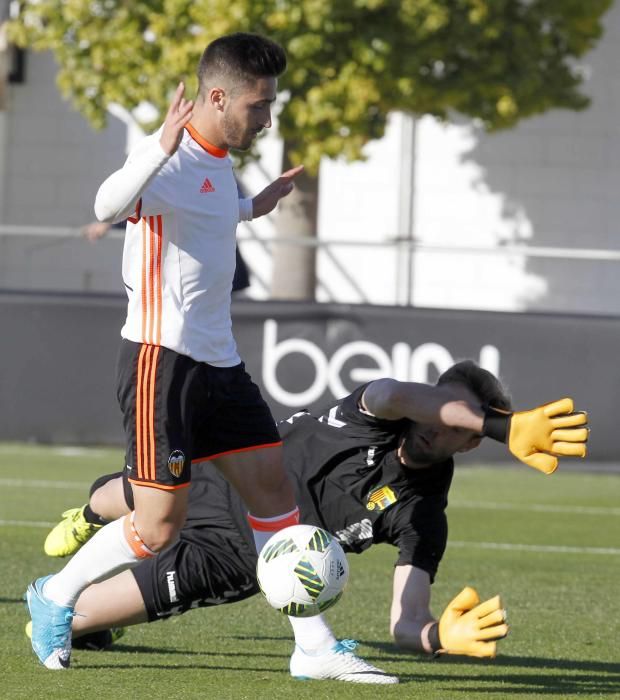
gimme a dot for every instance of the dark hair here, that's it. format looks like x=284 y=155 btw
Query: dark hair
x=480 y=381
x=241 y=58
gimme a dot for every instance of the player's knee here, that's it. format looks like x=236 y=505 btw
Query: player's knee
x=159 y=534
x=106 y=504
x=267 y=475
x=160 y=539
x=266 y=497
x=261 y=481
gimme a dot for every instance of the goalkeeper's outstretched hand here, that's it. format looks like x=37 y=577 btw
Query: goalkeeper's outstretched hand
x=470 y=627
x=539 y=436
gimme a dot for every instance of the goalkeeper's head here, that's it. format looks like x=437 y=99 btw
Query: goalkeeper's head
x=423 y=445
x=484 y=385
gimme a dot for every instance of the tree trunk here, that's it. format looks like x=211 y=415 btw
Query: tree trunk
x=294 y=263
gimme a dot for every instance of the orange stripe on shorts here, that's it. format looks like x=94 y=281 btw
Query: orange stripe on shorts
x=145 y=412
x=139 y=409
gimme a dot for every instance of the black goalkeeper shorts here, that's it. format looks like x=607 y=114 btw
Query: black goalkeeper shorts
x=187 y=575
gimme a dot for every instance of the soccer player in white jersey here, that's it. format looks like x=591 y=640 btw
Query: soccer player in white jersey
x=182 y=388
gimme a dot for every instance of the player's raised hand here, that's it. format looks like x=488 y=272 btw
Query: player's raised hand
x=266 y=201
x=539 y=436
x=470 y=627
x=179 y=114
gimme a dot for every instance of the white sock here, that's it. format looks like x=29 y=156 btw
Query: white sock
x=312 y=634
x=103 y=556
x=264 y=528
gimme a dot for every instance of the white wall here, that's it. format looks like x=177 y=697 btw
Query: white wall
x=55 y=160
x=53 y=164
x=552 y=181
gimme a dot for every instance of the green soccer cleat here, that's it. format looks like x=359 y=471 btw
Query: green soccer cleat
x=70 y=534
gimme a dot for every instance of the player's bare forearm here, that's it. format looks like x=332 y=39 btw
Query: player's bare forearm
x=410 y=611
x=453 y=406
x=466 y=627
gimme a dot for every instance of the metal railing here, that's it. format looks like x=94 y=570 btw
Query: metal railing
x=328 y=247
x=530 y=251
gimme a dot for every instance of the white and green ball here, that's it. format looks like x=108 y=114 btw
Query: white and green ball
x=302 y=570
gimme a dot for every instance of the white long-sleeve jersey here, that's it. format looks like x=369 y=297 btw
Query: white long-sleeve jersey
x=179 y=256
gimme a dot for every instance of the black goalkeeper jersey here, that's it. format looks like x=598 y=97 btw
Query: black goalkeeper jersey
x=348 y=481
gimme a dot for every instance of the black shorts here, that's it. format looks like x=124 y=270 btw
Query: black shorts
x=177 y=411
x=186 y=575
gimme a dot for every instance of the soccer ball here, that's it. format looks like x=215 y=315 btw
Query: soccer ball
x=302 y=570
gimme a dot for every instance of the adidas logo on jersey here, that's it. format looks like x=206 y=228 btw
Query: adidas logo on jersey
x=207 y=186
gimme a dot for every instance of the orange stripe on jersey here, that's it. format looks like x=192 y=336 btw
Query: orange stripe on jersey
x=134 y=219
x=144 y=290
x=151 y=289
x=152 y=231
x=160 y=241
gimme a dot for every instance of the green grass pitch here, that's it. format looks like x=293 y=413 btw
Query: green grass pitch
x=549 y=545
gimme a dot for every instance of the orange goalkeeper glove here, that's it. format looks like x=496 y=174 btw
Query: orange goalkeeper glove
x=539 y=436
x=469 y=627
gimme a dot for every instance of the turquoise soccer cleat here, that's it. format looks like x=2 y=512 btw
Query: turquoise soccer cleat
x=51 y=627
x=93 y=641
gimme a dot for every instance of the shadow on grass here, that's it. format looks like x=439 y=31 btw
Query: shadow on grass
x=583 y=676
x=166 y=651
x=262 y=638
x=393 y=654
x=513 y=684
x=216 y=666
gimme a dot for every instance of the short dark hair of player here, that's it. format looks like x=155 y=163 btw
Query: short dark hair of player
x=481 y=382
x=239 y=59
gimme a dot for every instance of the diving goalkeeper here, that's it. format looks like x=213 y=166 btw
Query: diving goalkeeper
x=375 y=468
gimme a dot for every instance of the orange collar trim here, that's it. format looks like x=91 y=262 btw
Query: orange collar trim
x=209 y=147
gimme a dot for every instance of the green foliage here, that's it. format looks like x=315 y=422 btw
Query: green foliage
x=351 y=62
